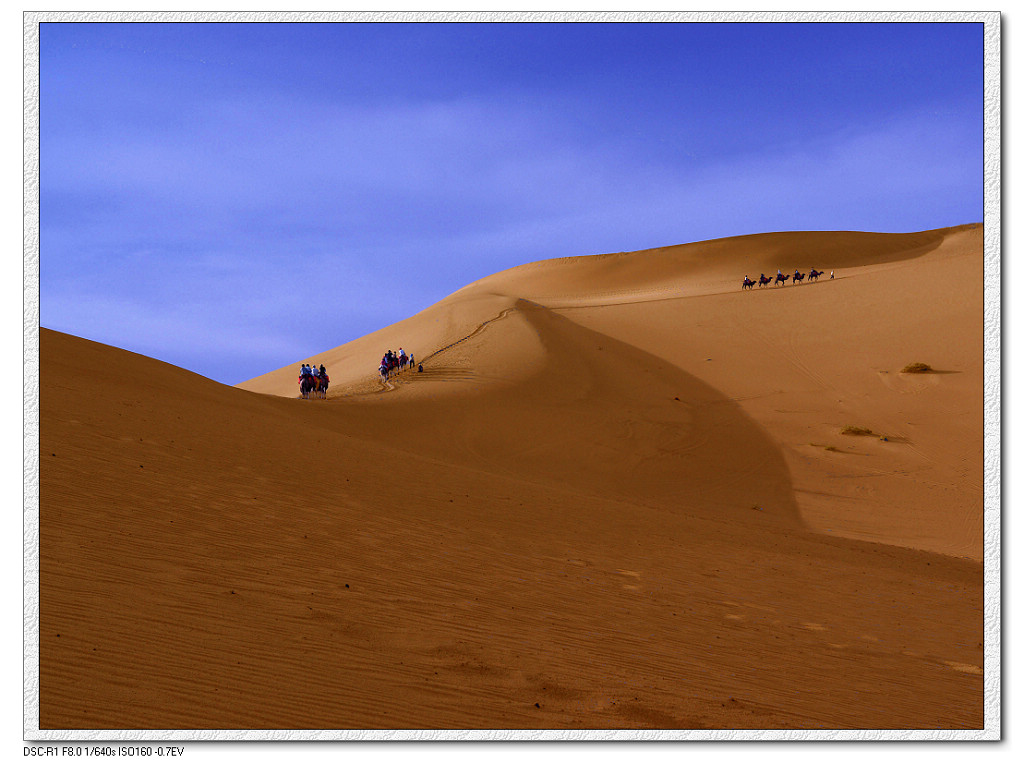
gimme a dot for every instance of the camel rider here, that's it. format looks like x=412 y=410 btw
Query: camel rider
x=323 y=371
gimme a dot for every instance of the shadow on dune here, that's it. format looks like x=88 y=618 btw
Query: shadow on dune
x=602 y=417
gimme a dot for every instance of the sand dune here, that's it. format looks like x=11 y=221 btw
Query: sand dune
x=618 y=496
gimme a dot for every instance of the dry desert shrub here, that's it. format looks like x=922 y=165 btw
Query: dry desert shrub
x=916 y=368
x=856 y=430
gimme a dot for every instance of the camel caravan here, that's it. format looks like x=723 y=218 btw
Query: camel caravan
x=781 y=278
x=313 y=381
x=395 y=362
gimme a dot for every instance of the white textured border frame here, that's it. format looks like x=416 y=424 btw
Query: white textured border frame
x=992 y=403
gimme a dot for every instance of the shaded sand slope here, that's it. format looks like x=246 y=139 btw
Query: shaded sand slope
x=595 y=416
x=560 y=544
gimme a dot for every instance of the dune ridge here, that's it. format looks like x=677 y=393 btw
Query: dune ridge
x=672 y=272
x=617 y=497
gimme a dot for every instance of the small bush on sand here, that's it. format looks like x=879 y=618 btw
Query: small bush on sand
x=857 y=431
x=916 y=368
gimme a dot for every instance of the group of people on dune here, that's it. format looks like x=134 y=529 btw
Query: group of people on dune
x=313 y=380
x=310 y=369
x=394 y=361
x=797 y=277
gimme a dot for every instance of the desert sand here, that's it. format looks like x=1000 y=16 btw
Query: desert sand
x=620 y=495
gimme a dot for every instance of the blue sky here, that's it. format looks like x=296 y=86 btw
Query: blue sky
x=233 y=198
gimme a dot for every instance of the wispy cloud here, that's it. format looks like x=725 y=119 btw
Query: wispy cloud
x=171 y=193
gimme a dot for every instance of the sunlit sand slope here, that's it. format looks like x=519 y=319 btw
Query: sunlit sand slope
x=670 y=272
